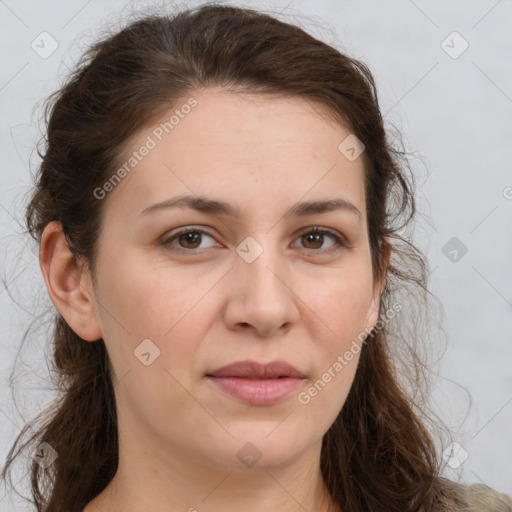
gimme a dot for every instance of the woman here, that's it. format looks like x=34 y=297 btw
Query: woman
x=217 y=214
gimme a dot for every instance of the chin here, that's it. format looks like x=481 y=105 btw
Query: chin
x=252 y=448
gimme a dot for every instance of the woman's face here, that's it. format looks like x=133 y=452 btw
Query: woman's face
x=174 y=305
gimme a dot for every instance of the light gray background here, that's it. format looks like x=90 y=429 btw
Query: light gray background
x=454 y=113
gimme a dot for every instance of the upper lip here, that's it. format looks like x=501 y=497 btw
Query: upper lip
x=255 y=370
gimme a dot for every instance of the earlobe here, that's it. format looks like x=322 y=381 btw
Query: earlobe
x=387 y=249
x=373 y=313
x=68 y=283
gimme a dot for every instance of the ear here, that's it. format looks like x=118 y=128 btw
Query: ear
x=68 y=283
x=378 y=288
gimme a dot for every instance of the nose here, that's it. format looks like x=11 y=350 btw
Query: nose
x=261 y=296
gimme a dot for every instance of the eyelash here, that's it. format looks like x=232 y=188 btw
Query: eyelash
x=316 y=230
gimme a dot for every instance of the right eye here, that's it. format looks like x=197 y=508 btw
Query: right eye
x=188 y=239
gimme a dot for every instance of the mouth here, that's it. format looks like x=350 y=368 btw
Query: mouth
x=256 y=383
x=256 y=391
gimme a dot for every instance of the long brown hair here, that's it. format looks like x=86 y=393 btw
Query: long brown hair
x=379 y=454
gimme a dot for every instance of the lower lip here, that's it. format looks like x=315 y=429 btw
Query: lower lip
x=257 y=392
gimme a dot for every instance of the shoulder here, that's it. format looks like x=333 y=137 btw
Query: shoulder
x=459 y=497
x=485 y=499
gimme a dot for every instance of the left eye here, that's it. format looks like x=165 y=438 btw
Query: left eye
x=317 y=234
x=190 y=239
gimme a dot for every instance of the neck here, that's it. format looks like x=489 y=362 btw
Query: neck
x=177 y=483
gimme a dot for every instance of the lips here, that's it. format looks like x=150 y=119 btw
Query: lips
x=255 y=383
x=255 y=370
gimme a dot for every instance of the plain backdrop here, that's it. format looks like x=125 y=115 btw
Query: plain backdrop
x=444 y=76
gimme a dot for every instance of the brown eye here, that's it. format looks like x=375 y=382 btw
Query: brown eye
x=191 y=237
x=313 y=239
x=187 y=240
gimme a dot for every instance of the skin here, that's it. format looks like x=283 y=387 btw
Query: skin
x=179 y=435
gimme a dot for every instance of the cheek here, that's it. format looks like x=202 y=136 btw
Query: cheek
x=166 y=309
x=342 y=305
x=342 y=302
x=149 y=298
x=322 y=400
x=162 y=305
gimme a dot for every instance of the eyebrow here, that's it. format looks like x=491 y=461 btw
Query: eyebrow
x=216 y=207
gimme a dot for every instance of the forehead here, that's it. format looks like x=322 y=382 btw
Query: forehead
x=244 y=148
